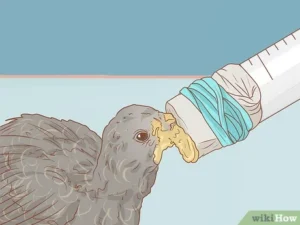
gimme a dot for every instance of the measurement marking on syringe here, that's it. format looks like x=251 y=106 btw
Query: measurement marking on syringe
x=267 y=51
x=284 y=41
x=265 y=66
x=250 y=61
x=294 y=36
x=276 y=46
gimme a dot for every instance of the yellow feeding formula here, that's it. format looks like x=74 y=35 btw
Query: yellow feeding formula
x=173 y=136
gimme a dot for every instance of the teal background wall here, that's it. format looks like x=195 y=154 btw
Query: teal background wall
x=137 y=36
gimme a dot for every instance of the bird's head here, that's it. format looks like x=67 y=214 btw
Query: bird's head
x=129 y=136
x=135 y=138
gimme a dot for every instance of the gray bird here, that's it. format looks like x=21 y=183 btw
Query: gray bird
x=60 y=172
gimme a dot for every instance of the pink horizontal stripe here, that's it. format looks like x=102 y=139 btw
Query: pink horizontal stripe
x=103 y=76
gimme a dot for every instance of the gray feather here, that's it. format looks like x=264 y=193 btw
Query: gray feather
x=60 y=172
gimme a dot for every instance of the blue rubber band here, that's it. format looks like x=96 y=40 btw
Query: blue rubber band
x=225 y=116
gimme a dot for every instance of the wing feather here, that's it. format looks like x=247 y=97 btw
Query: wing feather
x=43 y=164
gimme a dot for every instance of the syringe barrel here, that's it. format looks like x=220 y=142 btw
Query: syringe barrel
x=275 y=72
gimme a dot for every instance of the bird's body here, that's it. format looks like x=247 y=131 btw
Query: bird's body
x=60 y=172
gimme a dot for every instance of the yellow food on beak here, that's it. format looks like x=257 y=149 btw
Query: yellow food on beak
x=175 y=135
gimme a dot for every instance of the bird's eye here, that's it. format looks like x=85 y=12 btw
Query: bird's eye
x=141 y=136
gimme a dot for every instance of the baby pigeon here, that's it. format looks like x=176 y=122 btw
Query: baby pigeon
x=59 y=172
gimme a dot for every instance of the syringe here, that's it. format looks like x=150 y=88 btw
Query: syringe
x=273 y=78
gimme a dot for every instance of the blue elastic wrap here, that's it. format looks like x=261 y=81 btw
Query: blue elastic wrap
x=224 y=115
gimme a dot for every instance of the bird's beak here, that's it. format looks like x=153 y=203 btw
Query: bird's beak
x=167 y=120
x=168 y=134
